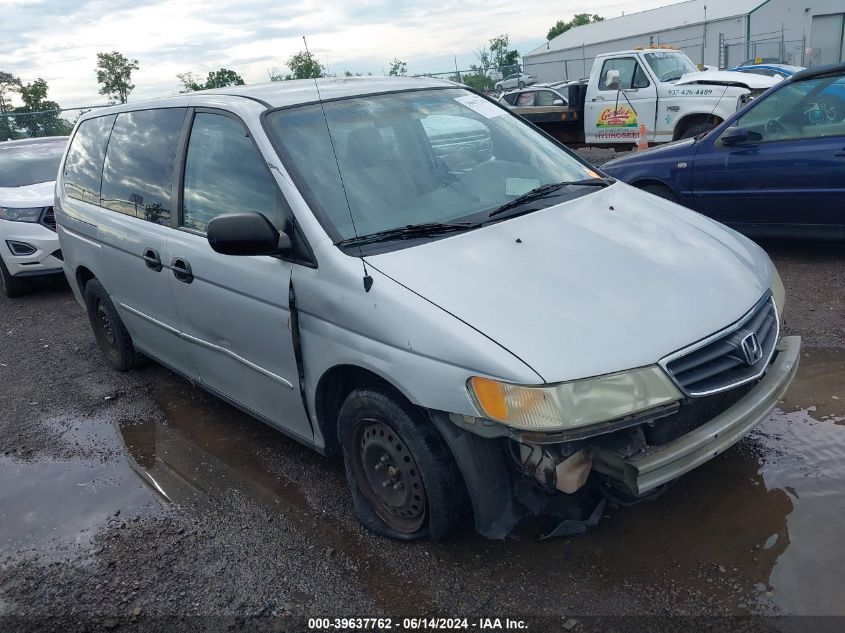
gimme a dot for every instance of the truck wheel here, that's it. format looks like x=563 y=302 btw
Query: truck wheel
x=111 y=335
x=404 y=482
x=661 y=191
x=695 y=130
x=12 y=287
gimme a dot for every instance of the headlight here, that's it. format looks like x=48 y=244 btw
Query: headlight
x=16 y=214
x=572 y=404
x=778 y=292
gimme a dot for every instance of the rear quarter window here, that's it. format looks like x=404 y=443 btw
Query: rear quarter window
x=138 y=170
x=84 y=165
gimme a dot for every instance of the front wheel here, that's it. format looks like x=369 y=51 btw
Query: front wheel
x=111 y=335
x=12 y=286
x=404 y=482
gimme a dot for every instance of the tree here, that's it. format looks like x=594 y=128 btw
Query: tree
x=398 y=68
x=222 y=78
x=580 y=19
x=501 y=55
x=302 y=65
x=114 y=72
x=45 y=119
x=8 y=84
x=216 y=79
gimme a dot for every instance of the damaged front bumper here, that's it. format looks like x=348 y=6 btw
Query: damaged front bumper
x=502 y=497
x=642 y=473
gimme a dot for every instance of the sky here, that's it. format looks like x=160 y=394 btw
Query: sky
x=58 y=40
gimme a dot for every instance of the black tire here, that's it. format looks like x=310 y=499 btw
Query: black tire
x=110 y=333
x=12 y=286
x=695 y=130
x=661 y=191
x=404 y=482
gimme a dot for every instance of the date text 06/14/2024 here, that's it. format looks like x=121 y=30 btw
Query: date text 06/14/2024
x=416 y=624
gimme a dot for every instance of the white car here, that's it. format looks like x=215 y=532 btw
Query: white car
x=516 y=80
x=29 y=246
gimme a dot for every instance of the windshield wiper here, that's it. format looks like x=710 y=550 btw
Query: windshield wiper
x=411 y=231
x=545 y=190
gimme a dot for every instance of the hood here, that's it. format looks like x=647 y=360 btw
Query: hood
x=612 y=280
x=660 y=152
x=729 y=78
x=37 y=195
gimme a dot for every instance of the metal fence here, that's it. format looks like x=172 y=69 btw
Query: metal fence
x=765 y=47
x=18 y=125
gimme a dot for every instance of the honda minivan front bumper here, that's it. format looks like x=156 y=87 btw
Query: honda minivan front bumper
x=501 y=498
x=642 y=473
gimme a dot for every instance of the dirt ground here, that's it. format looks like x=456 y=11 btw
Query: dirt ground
x=137 y=502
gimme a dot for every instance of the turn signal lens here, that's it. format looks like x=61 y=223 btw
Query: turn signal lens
x=573 y=404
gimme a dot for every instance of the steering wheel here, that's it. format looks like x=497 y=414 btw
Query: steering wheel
x=776 y=128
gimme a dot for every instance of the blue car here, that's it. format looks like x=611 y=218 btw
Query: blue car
x=776 y=167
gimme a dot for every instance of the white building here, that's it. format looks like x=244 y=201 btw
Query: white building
x=720 y=33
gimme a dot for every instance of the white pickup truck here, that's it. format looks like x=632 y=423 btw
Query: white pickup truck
x=658 y=87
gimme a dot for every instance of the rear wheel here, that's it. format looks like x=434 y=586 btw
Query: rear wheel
x=11 y=286
x=111 y=335
x=661 y=191
x=404 y=482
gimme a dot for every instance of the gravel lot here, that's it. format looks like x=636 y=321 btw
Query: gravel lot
x=135 y=501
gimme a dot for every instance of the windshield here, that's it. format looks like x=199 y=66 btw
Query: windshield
x=411 y=158
x=23 y=165
x=669 y=66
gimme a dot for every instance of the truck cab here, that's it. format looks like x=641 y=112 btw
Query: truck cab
x=665 y=91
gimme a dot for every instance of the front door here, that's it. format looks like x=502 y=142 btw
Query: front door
x=235 y=310
x=790 y=171
x=614 y=116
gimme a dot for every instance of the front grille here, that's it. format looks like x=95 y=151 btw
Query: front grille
x=48 y=218
x=732 y=357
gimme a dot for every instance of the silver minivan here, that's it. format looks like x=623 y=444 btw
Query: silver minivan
x=403 y=272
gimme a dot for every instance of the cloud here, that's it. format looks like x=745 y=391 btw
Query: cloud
x=59 y=39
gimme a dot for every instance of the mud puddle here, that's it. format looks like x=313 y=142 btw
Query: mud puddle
x=44 y=499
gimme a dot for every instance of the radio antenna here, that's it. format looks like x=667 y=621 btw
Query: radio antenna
x=368 y=280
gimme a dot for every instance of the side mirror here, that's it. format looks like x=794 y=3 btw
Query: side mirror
x=246 y=234
x=734 y=135
x=558 y=102
x=611 y=80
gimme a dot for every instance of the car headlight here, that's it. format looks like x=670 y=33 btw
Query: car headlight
x=573 y=404
x=17 y=214
x=778 y=292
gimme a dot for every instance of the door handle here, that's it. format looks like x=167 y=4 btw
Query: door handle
x=152 y=260
x=597 y=99
x=182 y=270
x=840 y=154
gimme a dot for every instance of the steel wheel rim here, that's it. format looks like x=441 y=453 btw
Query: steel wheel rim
x=389 y=476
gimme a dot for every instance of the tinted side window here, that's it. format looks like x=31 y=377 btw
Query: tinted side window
x=84 y=164
x=225 y=173
x=138 y=171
